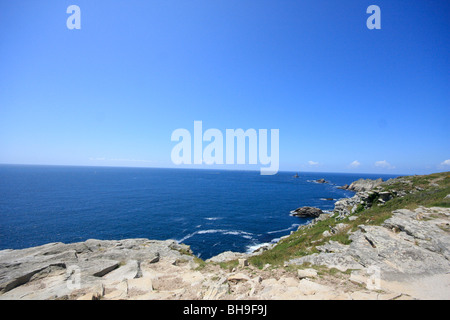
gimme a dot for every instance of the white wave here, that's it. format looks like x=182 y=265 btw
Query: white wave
x=213 y=218
x=243 y=234
x=252 y=248
x=284 y=230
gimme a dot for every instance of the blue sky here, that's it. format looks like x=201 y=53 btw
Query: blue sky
x=344 y=98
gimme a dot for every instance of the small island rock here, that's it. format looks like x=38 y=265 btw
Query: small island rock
x=307 y=212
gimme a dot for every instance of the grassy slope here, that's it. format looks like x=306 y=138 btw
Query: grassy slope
x=428 y=191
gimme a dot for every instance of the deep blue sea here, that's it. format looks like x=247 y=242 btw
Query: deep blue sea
x=210 y=210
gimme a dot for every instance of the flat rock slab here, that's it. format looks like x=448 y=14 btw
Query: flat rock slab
x=90 y=260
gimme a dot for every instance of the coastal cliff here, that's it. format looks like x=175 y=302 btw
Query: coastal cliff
x=390 y=240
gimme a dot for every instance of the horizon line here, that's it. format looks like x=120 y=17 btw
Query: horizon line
x=205 y=168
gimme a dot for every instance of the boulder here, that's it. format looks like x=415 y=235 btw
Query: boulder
x=238 y=277
x=307 y=212
x=307 y=273
x=243 y=262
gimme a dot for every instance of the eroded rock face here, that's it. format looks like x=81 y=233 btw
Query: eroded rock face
x=364 y=185
x=142 y=269
x=409 y=245
x=361 y=200
x=91 y=262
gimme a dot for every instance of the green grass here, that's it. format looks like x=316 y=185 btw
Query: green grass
x=431 y=193
x=301 y=243
x=229 y=265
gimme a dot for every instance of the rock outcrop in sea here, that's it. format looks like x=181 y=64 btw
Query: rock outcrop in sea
x=306 y=212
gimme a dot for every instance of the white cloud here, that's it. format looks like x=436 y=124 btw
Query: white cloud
x=313 y=163
x=355 y=164
x=446 y=162
x=384 y=164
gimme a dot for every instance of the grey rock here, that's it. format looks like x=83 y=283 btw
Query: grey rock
x=95 y=260
x=227 y=256
x=306 y=212
x=404 y=247
x=347 y=206
x=306 y=273
x=385 y=196
x=364 y=184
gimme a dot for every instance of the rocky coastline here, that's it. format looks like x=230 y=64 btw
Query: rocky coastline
x=405 y=257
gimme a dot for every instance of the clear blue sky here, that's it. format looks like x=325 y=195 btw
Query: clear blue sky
x=113 y=92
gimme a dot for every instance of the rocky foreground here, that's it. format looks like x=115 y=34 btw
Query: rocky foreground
x=406 y=256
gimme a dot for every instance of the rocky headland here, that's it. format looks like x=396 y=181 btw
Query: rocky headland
x=362 y=185
x=390 y=240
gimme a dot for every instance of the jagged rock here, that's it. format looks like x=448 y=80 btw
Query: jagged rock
x=347 y=206
x=218 y=290
x=403 y=248
x=364 y=184
x=425 y=234
x=321 y=181
x=92 y=261
x=307 y=212
x=366 y=199
x=129 y=270
x=384 y=196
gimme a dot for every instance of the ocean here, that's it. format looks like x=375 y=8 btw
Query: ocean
x=211 y=210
